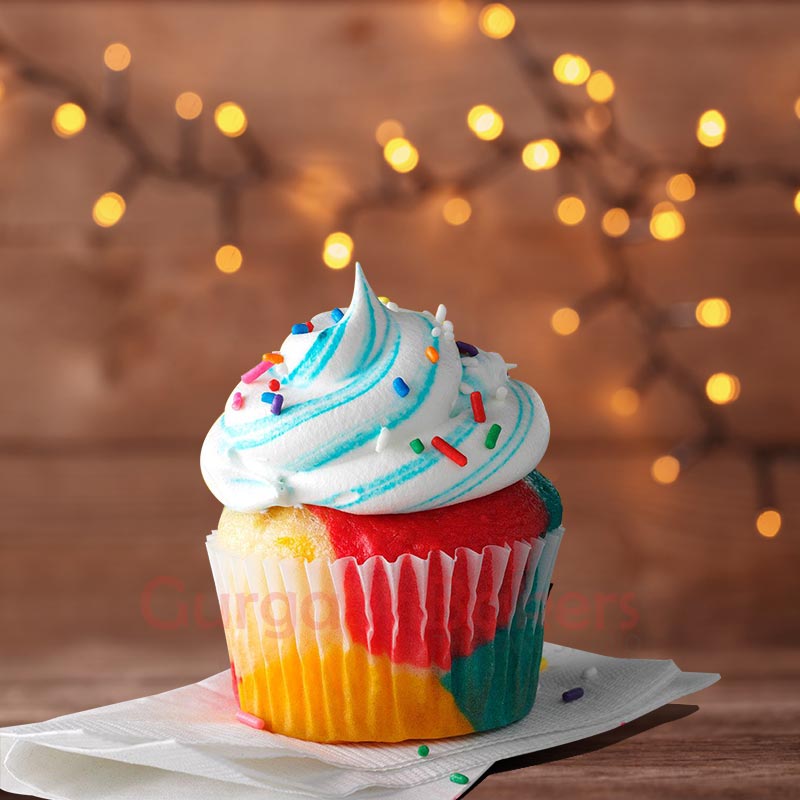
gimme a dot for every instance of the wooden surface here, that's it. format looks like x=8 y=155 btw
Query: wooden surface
x=119 y=347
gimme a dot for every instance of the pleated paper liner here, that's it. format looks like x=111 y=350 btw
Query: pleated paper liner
x=386 y=651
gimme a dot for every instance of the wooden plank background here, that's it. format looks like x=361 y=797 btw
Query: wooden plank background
x=118 y=347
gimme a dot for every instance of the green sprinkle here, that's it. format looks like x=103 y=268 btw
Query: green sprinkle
x=457 y=777
x=423 y=749
x=417 y=446
x=491 y=437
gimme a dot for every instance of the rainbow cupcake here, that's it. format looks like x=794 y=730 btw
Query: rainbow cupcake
x=385 y=551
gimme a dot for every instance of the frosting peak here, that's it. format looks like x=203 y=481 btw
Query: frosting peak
x=373 y=410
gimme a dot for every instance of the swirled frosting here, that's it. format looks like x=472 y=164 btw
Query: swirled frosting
x=349 y=435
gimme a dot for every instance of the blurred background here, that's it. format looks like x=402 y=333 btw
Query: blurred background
x=605 y=193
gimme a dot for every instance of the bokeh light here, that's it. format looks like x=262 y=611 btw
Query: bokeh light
x=400 y=154
x=666 y=223
x=496 y=21
x=69 y=119
x=228 y=259
x=722 y=388
x=625 y=401
x=711 y=128
x=230 y=118
x=615 y=222
x=565 y=321
x=456 y=211
x=541 y=154
x=665 y=469
x=680 y=187
x=600 y=86
x=571 y=69
x=797 y=201
x=388 y=129
x=768 y=522
x=108 y=209
x=117 y=57
x=485 y=122
x=713 y=312
x=337 y=250
x=570 y=210
x=188 y=105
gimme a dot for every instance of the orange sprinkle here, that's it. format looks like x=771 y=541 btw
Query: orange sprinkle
x=275 y=358
x=432 y=353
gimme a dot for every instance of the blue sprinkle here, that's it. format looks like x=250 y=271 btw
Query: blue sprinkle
x=300 y=327
x=401 y=387
x=572 y=694
x=337 y=314
x=267 y=397
x=277 y=404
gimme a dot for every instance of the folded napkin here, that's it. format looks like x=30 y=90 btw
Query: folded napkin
x=186 y=744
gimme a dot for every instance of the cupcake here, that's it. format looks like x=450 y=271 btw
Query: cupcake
x=384 y=553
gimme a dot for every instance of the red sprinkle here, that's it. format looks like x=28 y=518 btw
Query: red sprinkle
x=274 y=385
x=251 y=719
x=310 y=326
x=448 y=450
x=478 y=411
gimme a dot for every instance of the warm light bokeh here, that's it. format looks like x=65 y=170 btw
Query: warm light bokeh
x=337 y=250
x=565 y=321
x=713 y=312
x=108 y=209
x=400 y=154
x=681 y=187
x=722 y=388
x=768 y=522
x=600 y=86
x=496 y=21
x=228 y=259
x=541 y=154
x=615 y=222
x=571 y=69
x=485 y=122
x=456 y=211
x=625 y=401
x=69 y=119
x=711 y=128
x=570 y=210
x=117 y=57
x=188 y=105
x=388 y=129
x=667 y=223
x=665 y=469
x=230 y=118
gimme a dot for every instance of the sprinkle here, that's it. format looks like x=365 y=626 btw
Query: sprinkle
x=275 y=358
x=441 y=313
x=447 y=449
x=543 y=665
x=436 y=332
x=309 y=325
x=511 y=366
x=589 y=673
x=467 y=349
x=423 y=750
x=401 y=387
x=300 y=327
x=267 y=397
x=337 y=314
x=257 y=371
x=501 y=393
x=416 y=445
x=382 y=440
x=383 y=298
x=251 y=719
x=432 y=353
x=450 y=336
x=274 y=384
x=572 y=694
x=457 y=777
x=491 y=437
x=277 y=404
x=447 y=325
x=238 y=401
x=478 y=411
x=392 y=306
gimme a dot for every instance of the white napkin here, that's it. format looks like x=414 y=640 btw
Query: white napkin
x=186 y=745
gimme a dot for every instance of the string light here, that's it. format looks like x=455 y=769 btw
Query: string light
x=571 y=70
x=400 y=154
x=456 y=211
x=108 y=209
x=570 y=210
x=768 y=522
x=680 y=187
x=496 y=21
x=388 y=129
x=117 y=57
x=188 y=105
x=228 y=259
x=541 y=154
x=615 y=222
x=565 y=321
x=625 y=401
x=666 y=223
x=600 y=86
x=713 y=312
x=230 y=118
x=485 y=122
x=337 y=250
x=722 y=388
x=665 y=469
x=711 y=128
x=69 y=119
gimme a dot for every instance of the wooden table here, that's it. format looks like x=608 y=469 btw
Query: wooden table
x=737 y=739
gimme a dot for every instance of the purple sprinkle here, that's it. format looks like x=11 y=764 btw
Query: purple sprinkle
x=572 y=694
x=467 y=349
x=277 y=405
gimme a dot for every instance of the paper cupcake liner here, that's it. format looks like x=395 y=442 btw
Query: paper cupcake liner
x=384 y=651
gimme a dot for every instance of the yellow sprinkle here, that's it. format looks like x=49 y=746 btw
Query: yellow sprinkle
x=543 y=665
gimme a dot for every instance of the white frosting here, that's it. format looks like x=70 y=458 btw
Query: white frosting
x=343 y=436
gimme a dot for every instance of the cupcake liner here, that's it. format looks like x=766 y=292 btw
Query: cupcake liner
x=385 y=651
